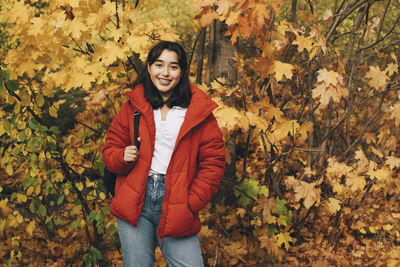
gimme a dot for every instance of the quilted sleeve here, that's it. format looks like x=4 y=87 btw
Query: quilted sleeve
x=116 y=140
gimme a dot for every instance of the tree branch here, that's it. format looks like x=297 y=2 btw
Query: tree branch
x=383 y=38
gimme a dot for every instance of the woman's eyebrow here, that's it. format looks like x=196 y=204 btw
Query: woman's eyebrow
x=162 y=61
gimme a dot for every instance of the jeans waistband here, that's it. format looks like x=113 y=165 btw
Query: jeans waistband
x=157 y=176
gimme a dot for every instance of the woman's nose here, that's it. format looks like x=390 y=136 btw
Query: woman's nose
x=165 y=72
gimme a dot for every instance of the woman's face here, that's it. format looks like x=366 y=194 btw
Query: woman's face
x=165 y=72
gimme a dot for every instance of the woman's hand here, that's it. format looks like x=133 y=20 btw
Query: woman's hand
x=131 y=154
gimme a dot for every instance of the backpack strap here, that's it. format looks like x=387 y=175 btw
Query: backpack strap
x=136 y=120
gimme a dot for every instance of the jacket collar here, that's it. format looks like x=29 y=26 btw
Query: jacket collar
x=201 y=106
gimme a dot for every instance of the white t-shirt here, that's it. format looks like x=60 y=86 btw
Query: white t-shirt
x=166 y=134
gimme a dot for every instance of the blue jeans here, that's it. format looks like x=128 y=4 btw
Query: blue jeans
x=139 y=244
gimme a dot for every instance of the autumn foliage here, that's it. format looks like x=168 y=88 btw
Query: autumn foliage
x=311 y=128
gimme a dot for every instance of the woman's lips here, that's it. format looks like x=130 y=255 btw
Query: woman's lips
x=164 y=81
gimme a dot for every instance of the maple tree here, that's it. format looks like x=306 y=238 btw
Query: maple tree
x=310 y=118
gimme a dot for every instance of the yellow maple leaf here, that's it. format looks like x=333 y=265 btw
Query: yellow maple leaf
x=257 y=120
x=304 y=43
x=18 y=14
x=283 y=27
x=355 y=182
x=268 y=50
x=202 y=3
x=99 y=19
x=139 y=44
x=111 y=52
x=376 y=152
x=237 y=249
x=391 y=69
x=207 y=18
x=282 y=69
x=395 y=113
x=284 y=238
x=282 y=129
x=392 y=162
x=232 y=17
x=36 y=26
x=231 y=118
x=380 y=174
x=378 y=78
x=329 y=77
x=75 y=28
x=333 y=205
x=327 y=93
x=308 y=192
x=31 y=227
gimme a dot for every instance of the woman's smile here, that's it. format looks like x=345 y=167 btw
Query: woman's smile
x=165 y=73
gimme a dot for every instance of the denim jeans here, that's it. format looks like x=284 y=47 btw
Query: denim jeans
x=139 y=244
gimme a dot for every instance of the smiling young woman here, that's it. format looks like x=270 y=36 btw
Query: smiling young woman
x=165 y=73
x=160 y=190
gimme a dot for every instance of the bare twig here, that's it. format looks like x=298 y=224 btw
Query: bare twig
x=348 y=10
x=376 y=114
x=246 y=154
x=383 y=38
x=380 y=25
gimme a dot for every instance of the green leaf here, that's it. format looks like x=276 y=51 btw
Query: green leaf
x=27 y=182
x=33 y=124
x=21 y=136
x=11 y=85
x=42 y=210
x=7 y=125
x=280 y=206
x=272 y=230
x=77 y=201
x=106 y=210
x=91 y=216
x=49 y=223
x=53 y=146
x=99 y=217
x=111 y=229
x=60 y=199
x=55 y=129
x=75 y=224
x=13 y=196
x=32 y=207
x=6 y=75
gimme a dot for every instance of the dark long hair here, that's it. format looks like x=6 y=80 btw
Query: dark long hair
x=181 y=94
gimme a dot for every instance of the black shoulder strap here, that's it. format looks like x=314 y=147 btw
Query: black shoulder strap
x=136 y=116
x=136 y=119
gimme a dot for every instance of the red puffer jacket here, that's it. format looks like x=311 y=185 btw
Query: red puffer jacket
x=194 y=172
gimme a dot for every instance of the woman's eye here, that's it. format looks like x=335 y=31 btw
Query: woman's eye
x=174 y=67
x=158 y=65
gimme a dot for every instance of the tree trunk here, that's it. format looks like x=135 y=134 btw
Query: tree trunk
x=220 y=53
x=224 y=52
x=200 y=53
x=211 y=52
x=293 y=12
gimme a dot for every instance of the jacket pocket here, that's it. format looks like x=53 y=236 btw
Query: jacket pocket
x=179 y=219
